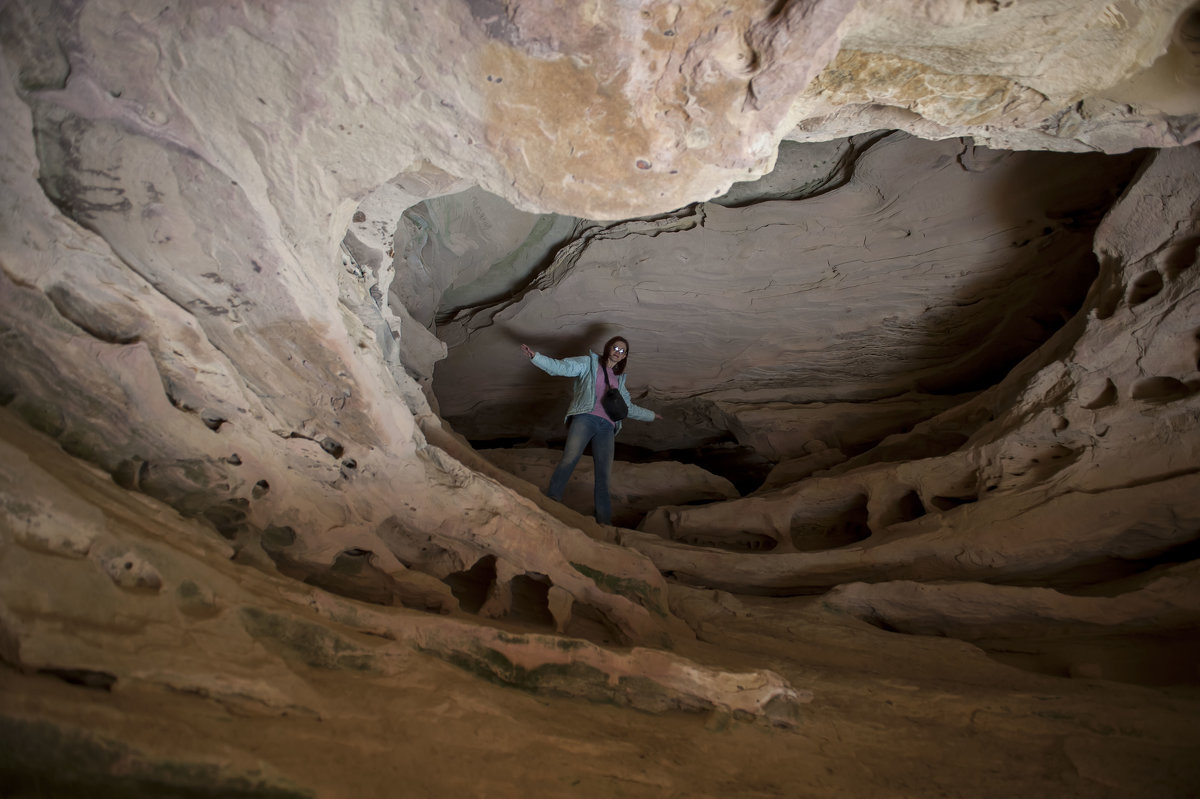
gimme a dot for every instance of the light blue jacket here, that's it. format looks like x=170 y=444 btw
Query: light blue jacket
x=584 y=369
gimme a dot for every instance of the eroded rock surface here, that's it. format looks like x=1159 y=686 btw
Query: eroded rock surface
x=925 y=272
x=636 y=488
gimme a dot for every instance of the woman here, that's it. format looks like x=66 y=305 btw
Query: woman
x=589 y=422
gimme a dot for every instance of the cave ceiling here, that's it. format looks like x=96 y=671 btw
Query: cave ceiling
x=748 y=321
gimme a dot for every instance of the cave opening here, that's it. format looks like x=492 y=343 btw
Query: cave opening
x=462 y=278
x=479 y=277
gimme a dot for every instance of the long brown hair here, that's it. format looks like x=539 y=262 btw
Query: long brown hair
x=619 y=369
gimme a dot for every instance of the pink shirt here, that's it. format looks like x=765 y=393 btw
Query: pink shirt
x=597 y=408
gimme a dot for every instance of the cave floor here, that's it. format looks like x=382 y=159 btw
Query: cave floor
x=892 y=715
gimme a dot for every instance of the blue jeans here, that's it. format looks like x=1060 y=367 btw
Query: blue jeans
x=587 y=427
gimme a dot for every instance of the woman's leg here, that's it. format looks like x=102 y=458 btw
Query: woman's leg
x=578 y=435
x=602 y=458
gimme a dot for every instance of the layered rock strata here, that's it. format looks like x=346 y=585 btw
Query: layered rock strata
x=1078 y=467
x=636 y=488
x=830 y=320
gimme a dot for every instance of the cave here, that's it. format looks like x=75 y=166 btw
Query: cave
x=912 y=289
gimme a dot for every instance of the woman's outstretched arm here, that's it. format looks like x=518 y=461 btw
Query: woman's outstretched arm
x=637 y=411
x=567 y=367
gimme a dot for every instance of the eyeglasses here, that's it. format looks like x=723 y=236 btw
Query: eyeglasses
x=619 y=349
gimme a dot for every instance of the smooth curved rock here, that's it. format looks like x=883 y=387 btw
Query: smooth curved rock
x=636 y=488
x=973 y=611
x=739 y=318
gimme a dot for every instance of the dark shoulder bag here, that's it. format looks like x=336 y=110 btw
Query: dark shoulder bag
x=612 y=402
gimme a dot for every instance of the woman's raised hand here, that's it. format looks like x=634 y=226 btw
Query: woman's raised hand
x=528 y=352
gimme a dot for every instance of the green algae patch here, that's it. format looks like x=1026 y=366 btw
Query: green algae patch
x=577 y=680
x=569 y=644
x=42 y=759
x=310 y=643
x=574 y=680
x=639 y=591
x=495 y=667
